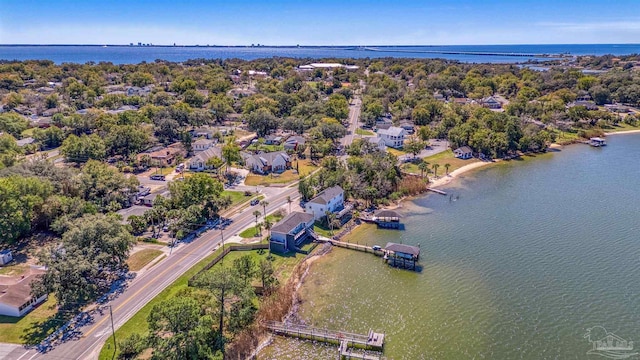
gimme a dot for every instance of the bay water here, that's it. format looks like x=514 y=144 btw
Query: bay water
x=519 y=263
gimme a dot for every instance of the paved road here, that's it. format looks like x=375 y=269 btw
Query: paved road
x=144 y=288
x=354 y=119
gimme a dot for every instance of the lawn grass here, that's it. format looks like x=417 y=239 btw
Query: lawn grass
x=305 y=167
x=27 y=133
x=265 y=147
x=621 y=127
x=250 y=232
x=282 y=263
x=363 y=132
x=396 y=152
x=237 y=197
x=321 y=230
x=31 y=328
x=446 y=157
x=141 y=258
x=138 y=323
x=14 y=269
x=163 y=171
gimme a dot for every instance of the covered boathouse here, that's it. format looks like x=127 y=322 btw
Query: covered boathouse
x=387 y=219
x=401 y=255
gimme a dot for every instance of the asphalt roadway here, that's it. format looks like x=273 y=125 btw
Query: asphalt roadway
x=144 y=288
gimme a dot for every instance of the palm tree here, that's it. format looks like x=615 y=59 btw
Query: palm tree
x=446 y=168
x=264 y=204
x=424 y=167
x=267 y=225
x=257 y=214
x=435 y=169
x=289 y=201
x=331 y=217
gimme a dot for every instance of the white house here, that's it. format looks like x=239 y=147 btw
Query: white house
x=393 y=136
x=202 y=144
x=288 y=233
x=5 y=257
x=264 y=163
x=464 y=152
x=378 y=142
x=199 y=161
x=330 y=199
x=16 y=299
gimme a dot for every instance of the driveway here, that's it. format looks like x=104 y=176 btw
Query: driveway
x=436 y=146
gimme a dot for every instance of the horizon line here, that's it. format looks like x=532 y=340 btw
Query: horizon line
x=256 y=45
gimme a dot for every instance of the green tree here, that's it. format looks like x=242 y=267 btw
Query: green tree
x=246 y=268
x=414 y=146
x=138 y=224
x=257 y=214
x=337 y=107
x=446 y=168
x=262 y=121
x=193 y=98
x=92 y=254
x=424 y=167
x=21 y=199
x=83 y=148
x=14 y=124
x=141 y=79
x=435 y=169
x=230 y=152
x=126 y=140
x=50 y=138
x=180 y=330
x=267 y=275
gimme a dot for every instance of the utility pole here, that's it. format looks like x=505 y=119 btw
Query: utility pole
x=222 y=235
x=113 y=331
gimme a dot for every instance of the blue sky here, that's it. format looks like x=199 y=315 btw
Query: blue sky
x=328 y=22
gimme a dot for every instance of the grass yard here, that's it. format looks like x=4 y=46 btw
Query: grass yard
x=250 y=232
x=321 y=230
x=396 y=152
x=141 y=258
x=28 y=132
x=621 y=127
x=446 y=157
x=31 y=328
x=283 y=264
x=14 y=269
x=265 y=147
x=163 y=171
x=363 y=132
x=237 y=197
x=305 y=166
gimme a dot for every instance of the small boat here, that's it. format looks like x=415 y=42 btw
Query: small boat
x=597 y=142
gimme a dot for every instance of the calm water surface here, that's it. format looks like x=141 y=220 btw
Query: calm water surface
x=136 y=54
x=531 y=255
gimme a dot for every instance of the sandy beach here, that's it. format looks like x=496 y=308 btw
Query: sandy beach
x=448 y=178
x=623 y=132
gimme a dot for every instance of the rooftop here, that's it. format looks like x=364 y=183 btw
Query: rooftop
x=402 y=248
x=326 y=195
x=393 y=131
x=291 y=221
x=19 y=293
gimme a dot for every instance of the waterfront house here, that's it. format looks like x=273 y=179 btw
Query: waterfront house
x=290 y=232
x=202 y=144
x=392 y=137
x=264 y=163
x=597 y=142
x=330 y=199
x=199 y=161
x=16 y=299
x=463 y=152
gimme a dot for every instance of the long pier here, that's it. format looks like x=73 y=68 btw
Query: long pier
x=352 y=246
x=347 y=341
x=437 y=191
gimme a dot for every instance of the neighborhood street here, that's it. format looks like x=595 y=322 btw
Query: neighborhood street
x=144 y=288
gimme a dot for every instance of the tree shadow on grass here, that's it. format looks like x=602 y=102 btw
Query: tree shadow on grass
x=38 y=331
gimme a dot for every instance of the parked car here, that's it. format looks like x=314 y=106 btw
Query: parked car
x=255 y=202
x=376 y=247
x=157 y=177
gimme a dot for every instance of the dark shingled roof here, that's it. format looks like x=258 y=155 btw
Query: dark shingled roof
x=290 y=221
x=402 y=248
x=386 y=214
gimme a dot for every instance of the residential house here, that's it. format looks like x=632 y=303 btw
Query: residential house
x=264 y=163
x=273 y=140
x=408 y=126
x=202 y=144
x=463 y=152
x=149 y=199
x=199 y=161
x=292 y=143
x=330 y=199
x=589 y=105
x=439 y=97
x=617 y=108
x=138 y=91
x=290 y=232
x=491 y=103
x=165 y=156
x=16 y=299
x=378 y=142
x=25 y=141
x=5 y=257
x=392 y=137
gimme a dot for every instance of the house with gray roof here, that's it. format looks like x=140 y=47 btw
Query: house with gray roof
x=199 y=161
x=393 y=136
x=290 y=232
x=330 y=199
x=293 y=142
x=264 y=163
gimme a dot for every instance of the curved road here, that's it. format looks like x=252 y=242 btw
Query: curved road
x=145 y=287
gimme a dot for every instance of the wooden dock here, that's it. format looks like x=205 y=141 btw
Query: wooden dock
x=346 y=340
x=437 y=191
x=352 y=246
